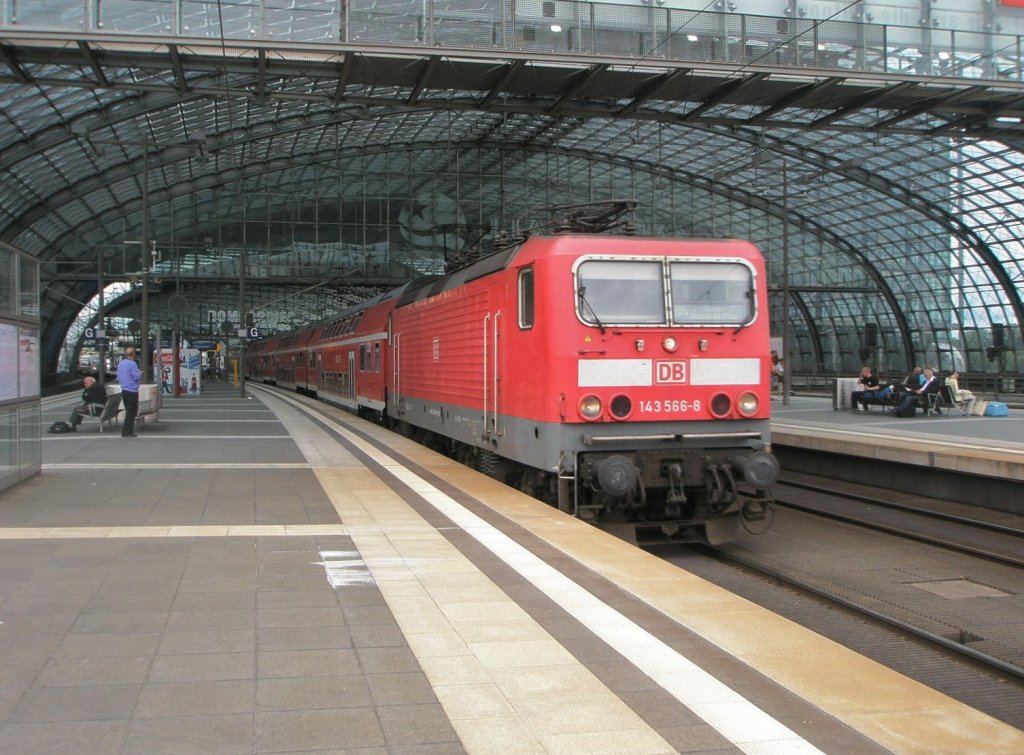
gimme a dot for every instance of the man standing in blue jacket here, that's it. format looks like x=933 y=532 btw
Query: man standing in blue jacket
x=129 y=376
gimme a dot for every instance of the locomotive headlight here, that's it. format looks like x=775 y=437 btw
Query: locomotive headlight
x=747 y=404
x=590 y=407
x=669 y=344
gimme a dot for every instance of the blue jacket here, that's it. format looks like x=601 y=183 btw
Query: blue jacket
x=129 y=375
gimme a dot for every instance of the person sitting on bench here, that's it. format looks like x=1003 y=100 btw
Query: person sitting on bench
x=93 y=399
x=867 y=387
x=914 y=380
x=964 y=398
x=915 y=396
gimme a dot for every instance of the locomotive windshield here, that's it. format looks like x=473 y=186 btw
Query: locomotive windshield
x=711 y=293
x=622 y=292
x=663 y=292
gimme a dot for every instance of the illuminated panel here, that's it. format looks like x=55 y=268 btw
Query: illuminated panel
x=725 y=371
x=595 y=373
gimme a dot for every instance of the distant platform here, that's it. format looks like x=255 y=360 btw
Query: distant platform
x=990 y=447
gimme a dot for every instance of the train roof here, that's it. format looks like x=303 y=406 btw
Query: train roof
x=424 y=288
x=431 y=285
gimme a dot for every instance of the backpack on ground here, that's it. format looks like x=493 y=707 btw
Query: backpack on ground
x=909 y=410
x=59 y=427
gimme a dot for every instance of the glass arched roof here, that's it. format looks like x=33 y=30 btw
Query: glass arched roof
x=891 y=201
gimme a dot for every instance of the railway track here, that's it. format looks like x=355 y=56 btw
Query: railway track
x=859 y=567
x=995 y=546
x=976 y=536
x=956 y=646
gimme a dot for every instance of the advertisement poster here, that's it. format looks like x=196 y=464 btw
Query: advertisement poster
x=190 y=372
x=28 y=361
x=8 y=362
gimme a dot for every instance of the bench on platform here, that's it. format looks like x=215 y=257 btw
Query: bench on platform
x=108 y=415
x=888 y=401
x=149 y=405
x=928 y=402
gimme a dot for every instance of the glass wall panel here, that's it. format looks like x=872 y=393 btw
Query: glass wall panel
x=9 y=473
x=20 y=416
x=28 y=362
x=8 y=362
x=28 y=287
x=30 y=446
x=8 y=267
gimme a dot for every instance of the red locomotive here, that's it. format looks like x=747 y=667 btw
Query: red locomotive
x=625 y=379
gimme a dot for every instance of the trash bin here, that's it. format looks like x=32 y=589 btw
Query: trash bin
x=841 y=395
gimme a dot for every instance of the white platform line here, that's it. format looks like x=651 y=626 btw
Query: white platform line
x=76 y=467
x=163 y=436
x=732 y=715
x=345 y=568
x=175 y=418
x=740 y=721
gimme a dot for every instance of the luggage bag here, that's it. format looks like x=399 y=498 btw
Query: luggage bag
x=995 y=409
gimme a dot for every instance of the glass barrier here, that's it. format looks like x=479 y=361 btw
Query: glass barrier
x=549 y=26
x=20 y=430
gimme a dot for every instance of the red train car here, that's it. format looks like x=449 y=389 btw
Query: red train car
x=259 y=358
x=625 y=379
x=350 y=352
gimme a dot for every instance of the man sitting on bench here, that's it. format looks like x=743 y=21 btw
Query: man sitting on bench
x=916 y=396
x=94 y=397
x=867 y=387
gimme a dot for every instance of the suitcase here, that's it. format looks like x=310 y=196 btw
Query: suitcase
x=995 y=409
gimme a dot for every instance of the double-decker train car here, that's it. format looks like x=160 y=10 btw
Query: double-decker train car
x=259 y=360
x=624 y=379
x=347 y=355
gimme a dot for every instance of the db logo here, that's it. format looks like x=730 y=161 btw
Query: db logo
x=669 y=372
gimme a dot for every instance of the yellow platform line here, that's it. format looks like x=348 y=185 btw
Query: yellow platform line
x=199 y=530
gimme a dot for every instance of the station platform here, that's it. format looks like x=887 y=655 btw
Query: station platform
x=253 y=575
x=989 y=447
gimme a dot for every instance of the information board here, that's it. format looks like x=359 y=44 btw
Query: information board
x=8 y=362
x=28 y=361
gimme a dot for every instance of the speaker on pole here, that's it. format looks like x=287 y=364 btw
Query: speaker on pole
x=871 y=335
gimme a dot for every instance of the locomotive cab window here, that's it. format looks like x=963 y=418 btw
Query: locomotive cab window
x=711 y=293
x=526 y=298
x=621 y=292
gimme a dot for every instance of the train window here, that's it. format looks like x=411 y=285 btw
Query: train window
x=526 y=298
x=376 y=356
x=712 y=293
x=621 y=292
x=362 y=357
